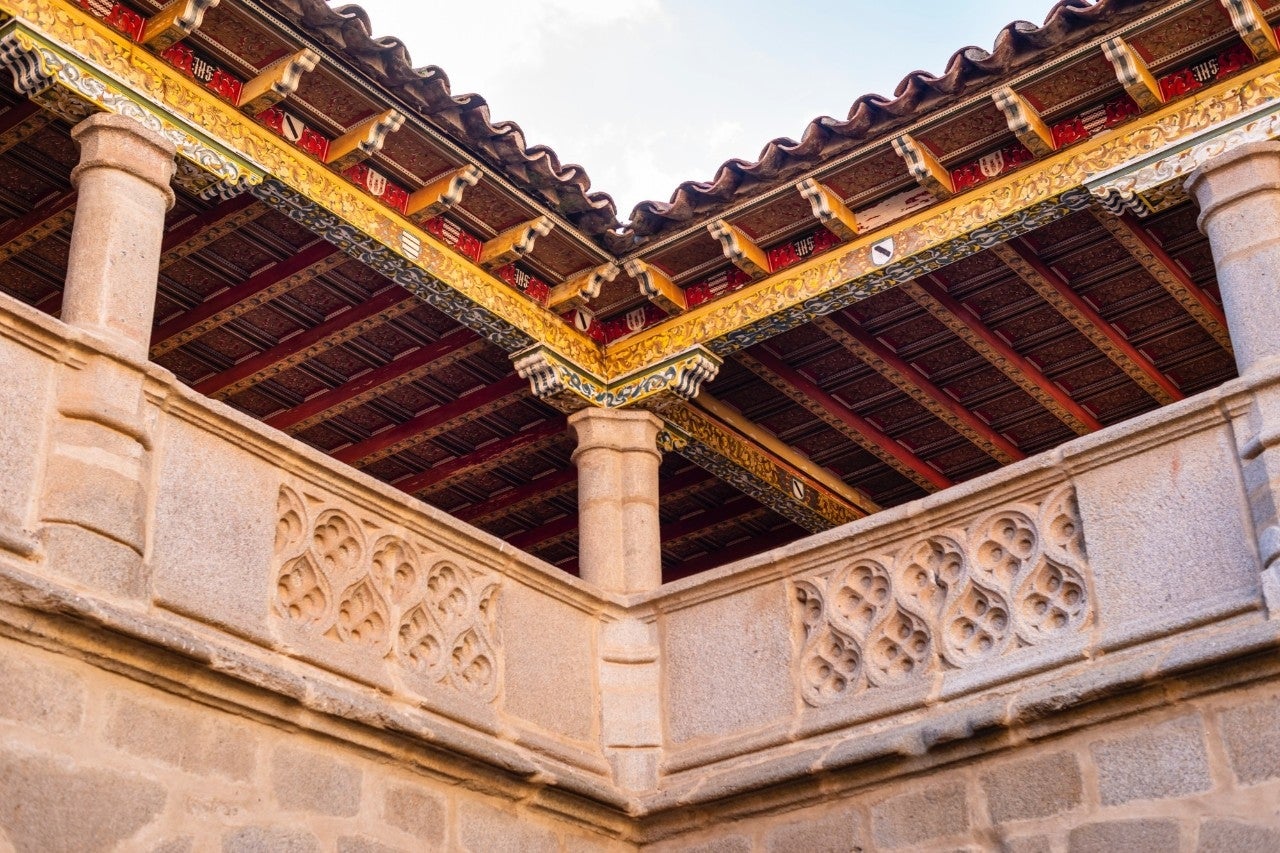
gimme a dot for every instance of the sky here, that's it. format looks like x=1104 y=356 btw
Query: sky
x=646 y=94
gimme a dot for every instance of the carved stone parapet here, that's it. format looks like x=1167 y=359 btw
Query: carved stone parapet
x=959 y=597
x=344 y=581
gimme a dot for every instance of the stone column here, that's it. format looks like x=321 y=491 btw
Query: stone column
x=96 y=494
x=1239 y=197
x=619 y=547
x=123 y=192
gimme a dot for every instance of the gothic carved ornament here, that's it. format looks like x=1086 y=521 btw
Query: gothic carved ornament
x=345 y=581
x=1014 y=578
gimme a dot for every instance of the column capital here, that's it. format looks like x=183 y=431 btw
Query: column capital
x=1233 y=175
x=622 y=430
x=118 y=142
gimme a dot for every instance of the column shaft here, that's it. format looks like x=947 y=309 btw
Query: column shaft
x=618 y=536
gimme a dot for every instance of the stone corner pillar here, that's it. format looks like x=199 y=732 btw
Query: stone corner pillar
x=123 y=193
x=617 y=457
x=1239 y=196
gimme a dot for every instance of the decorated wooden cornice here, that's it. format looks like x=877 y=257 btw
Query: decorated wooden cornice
x=441 y=194
x=173 y=23
x=277 y=81
x=829 y=209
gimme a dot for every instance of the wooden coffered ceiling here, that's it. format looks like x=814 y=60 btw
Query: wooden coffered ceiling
x=1010 y=351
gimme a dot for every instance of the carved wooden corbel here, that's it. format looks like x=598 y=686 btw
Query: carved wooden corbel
x=1024 y=121
x=829 y=209
x=924 y=167
x=441 y=194
x=1253 y=28
x=1133 y=74
x=277 y=81
x=514 y=243
x=739 y=249
x=175 y=22
x=657 y=287
x=577 y=292
x=364 y=140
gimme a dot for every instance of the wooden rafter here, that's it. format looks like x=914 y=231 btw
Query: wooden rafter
x=21 y=122
x=18 y=235
x=918 y=387
x=1055 y=290
x=485 y=458
x=429 y=424
x=841 y=418
x=1148 y=252
x=208 y=227
x=562 y=528
x=930 y=295
x=257 y=290
x=544 y=488
x=292 y=351
x=381 y=380
x=750 y=546
x=731 y=513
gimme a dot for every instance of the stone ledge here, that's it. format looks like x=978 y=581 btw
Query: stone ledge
x=61 y=617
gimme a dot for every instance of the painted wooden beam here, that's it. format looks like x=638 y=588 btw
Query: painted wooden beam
x=740 y=249
x=208 y=227
x=21 y=122
x=840 y=417
x=174 y=22
x=372 y=384
x=543 y=488
x=933 y=297
x=1076 y=309
x=441 y=194
x=429 y=424
x=918 y=387
x=364 y=140
x=829 y=209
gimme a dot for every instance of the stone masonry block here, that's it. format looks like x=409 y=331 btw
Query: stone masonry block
x=921 y=814
x=1161 y=760
x=837 y=832
x=361 y=844
x=728 y=663
x=1159 y=508
x=723 y=844
x=261 y=839
x=485 y=829
x=214 y=566
x=39 y=692
x=1027 y=844
x=420 y=813
x=51 y=804
x=550 y=662
x=305 y=780
x=1129 y=836
x=24 y=399
x=1252 y=735
x=1236 y=836
x=1037 y=787
x=192 y=738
